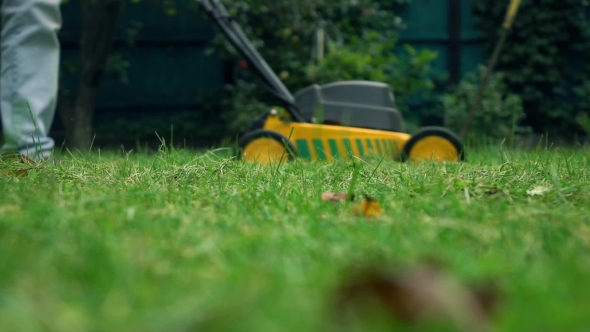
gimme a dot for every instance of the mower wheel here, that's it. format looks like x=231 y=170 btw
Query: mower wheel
x=433 y=143
x=264 y=146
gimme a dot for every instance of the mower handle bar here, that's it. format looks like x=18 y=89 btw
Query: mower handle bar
x=232 y=31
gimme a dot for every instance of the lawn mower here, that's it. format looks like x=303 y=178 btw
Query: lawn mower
x=337 y=120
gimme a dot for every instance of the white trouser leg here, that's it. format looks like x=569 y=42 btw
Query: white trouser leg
x=30 y=55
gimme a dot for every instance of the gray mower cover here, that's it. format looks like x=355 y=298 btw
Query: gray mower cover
x=362 y=104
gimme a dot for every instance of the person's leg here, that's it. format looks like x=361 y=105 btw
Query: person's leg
x=30 y=55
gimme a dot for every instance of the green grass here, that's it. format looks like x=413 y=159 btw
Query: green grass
x=180 y=241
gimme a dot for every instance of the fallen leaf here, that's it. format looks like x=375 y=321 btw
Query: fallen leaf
x=538 y=191
x=15 y=156
x=417 y=294
x=335 y=197
x=12 y=159
x=16 y=172
x=368 y=208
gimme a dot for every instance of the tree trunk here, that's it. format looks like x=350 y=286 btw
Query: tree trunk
x=81 y=132
x=99 y=22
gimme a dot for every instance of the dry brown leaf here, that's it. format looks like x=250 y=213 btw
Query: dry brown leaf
x=12 y=159
x=367 y=208
x=16 y=172
x=15 y=156
x=417 y=294
x=335 y=197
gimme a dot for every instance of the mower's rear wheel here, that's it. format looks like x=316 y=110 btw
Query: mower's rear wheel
x=265 y=146
x=433 y=143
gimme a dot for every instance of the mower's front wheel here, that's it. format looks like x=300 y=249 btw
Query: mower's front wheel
x=433 y=143
x=265 y=146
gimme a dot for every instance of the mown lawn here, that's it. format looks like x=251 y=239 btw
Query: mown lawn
x=184 y=241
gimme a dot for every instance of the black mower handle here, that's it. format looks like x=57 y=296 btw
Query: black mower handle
x=218 y=13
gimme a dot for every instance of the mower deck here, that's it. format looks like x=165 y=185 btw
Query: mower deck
x=280 y=138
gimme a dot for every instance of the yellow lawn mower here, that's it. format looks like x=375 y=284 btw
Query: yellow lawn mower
x=355 y=119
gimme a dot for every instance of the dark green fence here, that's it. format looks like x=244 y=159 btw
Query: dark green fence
x=447 y=27
x=167 y=65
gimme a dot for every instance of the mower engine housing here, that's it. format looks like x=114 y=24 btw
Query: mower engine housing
x=361 y=104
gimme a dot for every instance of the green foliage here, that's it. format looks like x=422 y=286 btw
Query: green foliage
x=544 y=59
x=583 y=120
x=406 y=75
x=307 y=42
x=496 y=115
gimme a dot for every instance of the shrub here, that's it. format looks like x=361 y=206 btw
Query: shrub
x=544 y=59
x=406 y=75
x=497 y=115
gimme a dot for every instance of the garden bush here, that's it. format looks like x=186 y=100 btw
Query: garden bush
x=544 y=61
x=498 y=114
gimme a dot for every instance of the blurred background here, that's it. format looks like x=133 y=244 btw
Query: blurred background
x=169 y=73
